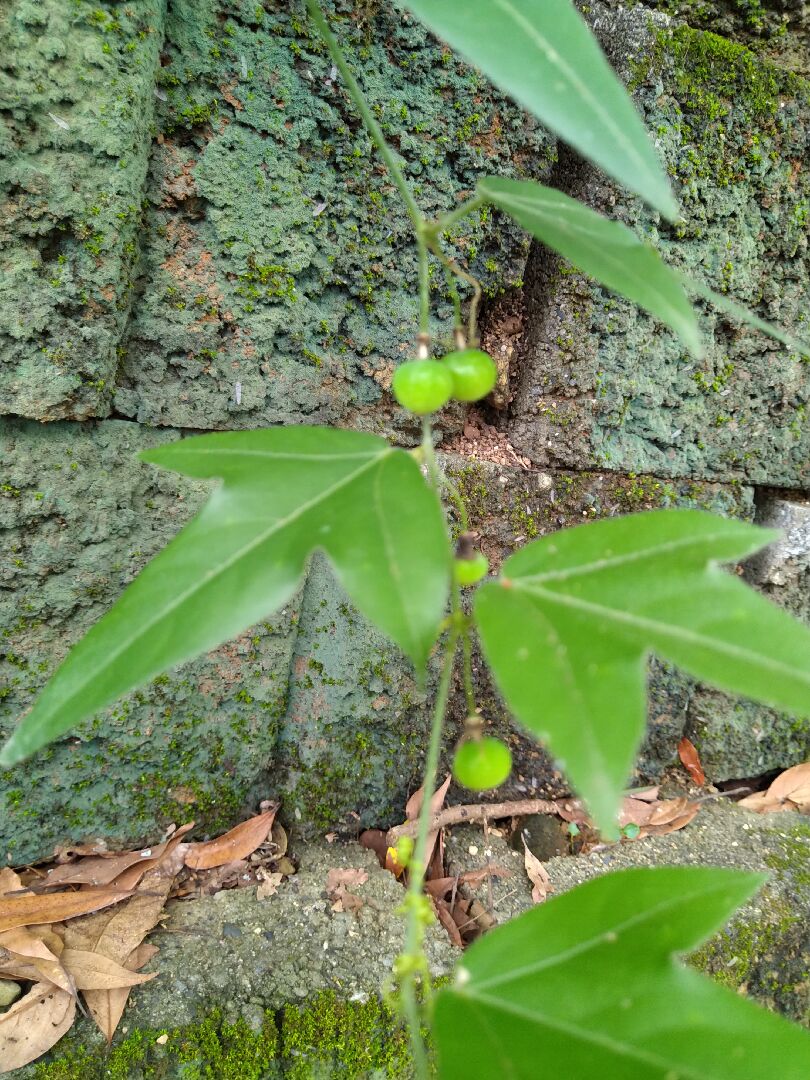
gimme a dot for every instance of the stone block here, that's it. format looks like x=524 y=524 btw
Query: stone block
x=738 y=738
x=279 y=270
x=77 y=93
x=80 y=517
x=604 y=384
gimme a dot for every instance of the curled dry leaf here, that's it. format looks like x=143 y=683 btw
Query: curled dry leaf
x=28 y=909
x=669 y=816
x=34 y=1024
x=240 y=842
x=538 y=876
x=347 y=876
x=124 y=870
x=93 y=971
x=789 y=791
x=690 y=759
x=268 y=886
x=414 y=804
x=343 y=900
x=24 y=955
x=445 y=917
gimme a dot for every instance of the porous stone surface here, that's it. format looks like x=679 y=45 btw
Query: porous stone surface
x=77 y=90
x=737 y=737
x=277 y=255
x=80 y=516
x=606 y=385
x=763 y=951
x=248 y=956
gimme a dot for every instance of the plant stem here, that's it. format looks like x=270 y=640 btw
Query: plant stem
x=454 y=268
x=417 y=868
x=429 y=454
x=447 y=221
x=373 y=128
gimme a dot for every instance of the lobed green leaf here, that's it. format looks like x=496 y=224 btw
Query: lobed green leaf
x=286 y=493
x=607 y=250
x=586 y=985
x=542 y=54
x=568 y=627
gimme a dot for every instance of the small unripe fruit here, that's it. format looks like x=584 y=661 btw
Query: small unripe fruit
x=422 y=386
x=474 y=374
x=480 y=764
x=470 y=571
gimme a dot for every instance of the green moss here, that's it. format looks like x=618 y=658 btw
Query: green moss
x=329 y=1036
x=322 y=1037
x=213 y=1049
x=793 y=857
x=742 y=957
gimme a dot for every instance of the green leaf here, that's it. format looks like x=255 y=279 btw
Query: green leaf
x=542 y=53
x=568 y=627
x=586 y=986
x=286 y=493
x=607 y=250
x=742 y=314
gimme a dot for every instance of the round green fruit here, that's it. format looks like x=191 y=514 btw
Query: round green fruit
x=470 y=571
x=422 y=386
x=474 y=374
x=480 y=764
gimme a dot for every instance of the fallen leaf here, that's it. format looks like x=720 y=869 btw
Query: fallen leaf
x=414 y=804
x=669 y=816
x=285 y=866
x=445 y=917
x=789 y=791
x=648 y=794
x=537 y=875
x=93 y=971
x=34 y=1024
x=24 y=955
x=634 y=812
x=117 y=934
x=346 y=901
x=438 y=888
x=236 y=844
x=476 y=877
x=124 y=870
x=690 y=760
x=375 y=840
x=347 y=876
x=29 y=909
x=269 y=886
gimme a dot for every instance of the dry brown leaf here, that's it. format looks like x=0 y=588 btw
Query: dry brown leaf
x=117 y=934
x=648 y=794
x=28 y=909
x=124 y=870
x=440 y=887
x=338 y=876
x=573 y=811
x=93 y=971
x=375 y=840
x=285 y=866
x=448 y=922
x=414 y=804
x=789 y=791
x=9 y=881
x=537 y=875
x=23 y=955
x=667 y=811
x=635 y=812
x=476 y=877
x=690 y=759
x=346 y=901
x=269 y=886
x=34 y=1024
x=240 y=842
x=669 y=817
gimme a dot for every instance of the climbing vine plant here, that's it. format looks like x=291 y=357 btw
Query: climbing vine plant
x=588 y=984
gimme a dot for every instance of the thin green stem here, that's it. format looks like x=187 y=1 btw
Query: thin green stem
x=424 y=288
x=447 y=221
x=415 y=901
x=454 y=268
x=469 y=689
x=429 y=455
x=373 y=128
x=458 y=322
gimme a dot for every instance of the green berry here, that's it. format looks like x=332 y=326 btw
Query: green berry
x=470 y=571
x=474 y=374
x=480 y=764
x=422 y=386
